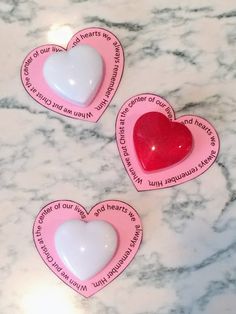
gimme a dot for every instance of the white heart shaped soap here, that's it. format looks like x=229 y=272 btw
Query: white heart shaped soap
x=85 y=248
x=75 y=74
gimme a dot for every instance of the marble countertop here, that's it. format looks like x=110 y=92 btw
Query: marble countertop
x=183 y=50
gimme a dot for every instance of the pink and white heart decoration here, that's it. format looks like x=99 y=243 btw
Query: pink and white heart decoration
x=87 y=250
x=80 y=81
x=158 y=150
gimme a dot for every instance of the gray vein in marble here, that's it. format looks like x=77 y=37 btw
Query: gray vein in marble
x=78 y=1
x=153 y=50
x=216 y=288
x=131 y=27
x=227 y=15
x=12 y=11
x=70 y=130
x=152 y=271
x=176 y=214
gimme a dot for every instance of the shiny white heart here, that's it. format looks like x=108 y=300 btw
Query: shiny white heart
x=75 y=74
x=85 y=248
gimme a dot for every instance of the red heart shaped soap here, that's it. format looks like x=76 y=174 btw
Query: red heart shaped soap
x=159 y=142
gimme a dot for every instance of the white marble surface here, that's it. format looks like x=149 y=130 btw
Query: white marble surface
x=183 y=50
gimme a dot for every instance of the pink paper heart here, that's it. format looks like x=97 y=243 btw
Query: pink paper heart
x=121 y=216
x=111 y=51
x=202 y=156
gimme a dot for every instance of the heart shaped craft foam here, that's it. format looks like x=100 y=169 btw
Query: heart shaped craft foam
x=87 y=250
x=158 y=150
x=79 y=81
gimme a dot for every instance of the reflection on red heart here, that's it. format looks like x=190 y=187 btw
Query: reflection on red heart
x=159 y=142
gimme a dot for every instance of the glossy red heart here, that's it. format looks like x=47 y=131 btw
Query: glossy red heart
x=159 y=142
x=159 y=150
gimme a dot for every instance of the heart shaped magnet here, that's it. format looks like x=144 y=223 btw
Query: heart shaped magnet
x=87 y=250
x=158 y=150
x=80 y=81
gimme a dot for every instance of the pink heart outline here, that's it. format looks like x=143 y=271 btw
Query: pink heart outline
x=185 y=170
x=125 y=223
x=107 y=44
